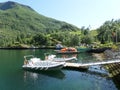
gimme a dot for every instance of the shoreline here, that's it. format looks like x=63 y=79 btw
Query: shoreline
x=8 y=48
x=96 y=50
x=20 y=48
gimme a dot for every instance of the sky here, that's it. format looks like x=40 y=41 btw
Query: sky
x=88 y=13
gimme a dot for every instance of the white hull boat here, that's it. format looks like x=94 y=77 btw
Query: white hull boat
x=37 y=64
x=54 y=58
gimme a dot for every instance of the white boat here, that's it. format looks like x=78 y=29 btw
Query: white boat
x=54 y=58
x=37 y=64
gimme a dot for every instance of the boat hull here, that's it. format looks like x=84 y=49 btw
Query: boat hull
x=64 y=59
x=68 y=52
x=83 y=49
x=41 y=68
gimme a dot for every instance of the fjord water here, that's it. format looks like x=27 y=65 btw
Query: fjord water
x=13 y=77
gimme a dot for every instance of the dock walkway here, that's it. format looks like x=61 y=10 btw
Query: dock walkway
x=80 y=65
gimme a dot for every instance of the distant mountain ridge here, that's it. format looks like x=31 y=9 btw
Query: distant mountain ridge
x=21 y=21
x=10 y=5
x=18 y=11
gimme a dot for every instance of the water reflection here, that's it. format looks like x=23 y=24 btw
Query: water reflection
x=116 y=80
x=58 y=74
x=27 y=74
x=68 y=55
x=13 y=79
x=98 y=70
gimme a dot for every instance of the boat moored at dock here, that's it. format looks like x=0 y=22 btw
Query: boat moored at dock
x=59 y=59
x=69 y=50
x=37 y=64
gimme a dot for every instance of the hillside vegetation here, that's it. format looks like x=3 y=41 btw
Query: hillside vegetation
x=21 y=26
x=18 y=23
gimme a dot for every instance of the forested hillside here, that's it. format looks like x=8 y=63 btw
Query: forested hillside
x=19 y=23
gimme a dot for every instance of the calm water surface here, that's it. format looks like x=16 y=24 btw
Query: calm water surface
x=13 y=77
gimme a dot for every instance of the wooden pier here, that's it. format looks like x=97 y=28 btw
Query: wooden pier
x=75 y=66
x=86 y=65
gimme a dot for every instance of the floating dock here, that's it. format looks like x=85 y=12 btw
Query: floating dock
x=75 y=66
x=86 y=65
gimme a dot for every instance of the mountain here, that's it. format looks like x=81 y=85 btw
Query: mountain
x=10 y=5
x=21 y=20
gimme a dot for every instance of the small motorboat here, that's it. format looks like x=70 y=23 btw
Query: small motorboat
x=83 y=49
x=69 y=50
x=56 y=59
x=34 y=63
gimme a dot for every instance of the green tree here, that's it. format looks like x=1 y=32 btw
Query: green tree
x=109 y=31
x=40 y=39
x=74 y=40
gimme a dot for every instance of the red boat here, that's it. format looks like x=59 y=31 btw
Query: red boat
x=68 y=50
